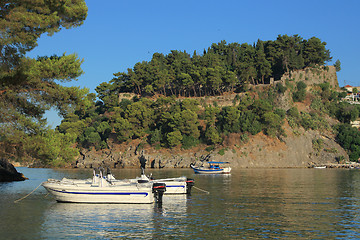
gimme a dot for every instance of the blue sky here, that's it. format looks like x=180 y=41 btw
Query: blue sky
x=119 y=33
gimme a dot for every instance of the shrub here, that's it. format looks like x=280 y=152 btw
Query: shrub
x=301 y=85
x=155 y=136
x=221 y=152
x=300 y=94
x=189 y=142
x=280 y=112
x=244 y=138
x=318 y=144
x=210 y=148
x=280 y=88
x=349 y=138
x=174 y=138
x=212 y=135
x=293 y=112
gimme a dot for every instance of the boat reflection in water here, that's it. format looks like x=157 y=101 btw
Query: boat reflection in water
x=104 y=221
x=174 y=203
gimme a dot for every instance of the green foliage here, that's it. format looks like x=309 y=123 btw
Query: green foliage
x=90 y=138
x=293 y=112
x=52 y=148
x=337 y=65
x=174 y=138
x=155 y=136
x=212 y=136
x=312 y=121
x=22 y=23
x=72 y=124
x=252 y=118
x=346 y=112
x=316 y=104
x=210 y=148
x=30 y=87
x=223 y=67
x=315 y=53
x=280 y=112
x=349 y=138
x=280 y=88
x=244 y=138
x=228 y=119
x=318 y=144
x=301 y=85
x=250 y=122
x=123 y=129
x=272 y=123
x=140 y=117
x=189 y=142
x=300 y=94
x=211 y=115
x=221 y=152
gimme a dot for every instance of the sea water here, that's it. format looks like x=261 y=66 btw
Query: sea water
x=247 y=204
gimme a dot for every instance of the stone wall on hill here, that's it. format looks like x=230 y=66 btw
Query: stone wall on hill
x=312 y=76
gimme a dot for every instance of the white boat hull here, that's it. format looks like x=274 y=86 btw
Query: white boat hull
x=174 y=185
x=204 y=170
x=87 y=193
x=175 y=188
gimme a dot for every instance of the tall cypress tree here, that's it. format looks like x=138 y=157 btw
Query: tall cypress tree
x=263 y=66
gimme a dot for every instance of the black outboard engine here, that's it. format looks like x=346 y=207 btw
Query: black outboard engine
x=158 y=190
x=189 y=183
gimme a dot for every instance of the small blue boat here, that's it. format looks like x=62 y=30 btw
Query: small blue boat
x=213 y=168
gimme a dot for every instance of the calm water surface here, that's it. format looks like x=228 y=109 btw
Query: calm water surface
x=248 y=204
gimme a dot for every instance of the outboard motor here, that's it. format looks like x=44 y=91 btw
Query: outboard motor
x=158 y=190
x=189 y=183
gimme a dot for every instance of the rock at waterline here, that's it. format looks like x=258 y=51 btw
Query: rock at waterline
x=8 y=172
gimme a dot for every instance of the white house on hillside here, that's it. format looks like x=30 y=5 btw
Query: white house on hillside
x=351 y=88
x=351 y=96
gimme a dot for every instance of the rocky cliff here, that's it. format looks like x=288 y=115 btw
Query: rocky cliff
x=8 y=172
x=261 y=151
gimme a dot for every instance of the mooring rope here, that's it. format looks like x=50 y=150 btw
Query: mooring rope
x=27 y=195
x=201 y=190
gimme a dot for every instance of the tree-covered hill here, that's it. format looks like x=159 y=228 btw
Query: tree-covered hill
x=169 y=107
x=221 y=68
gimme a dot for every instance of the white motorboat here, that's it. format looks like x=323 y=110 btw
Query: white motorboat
x=179 y=185
x=100 y=190
x=212 y=168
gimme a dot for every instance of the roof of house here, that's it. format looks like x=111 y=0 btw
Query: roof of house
x=348 y=86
